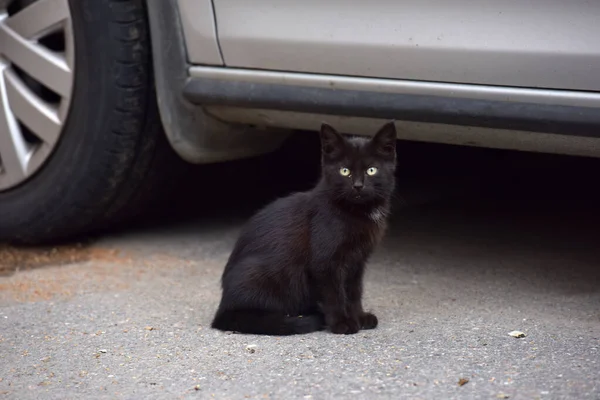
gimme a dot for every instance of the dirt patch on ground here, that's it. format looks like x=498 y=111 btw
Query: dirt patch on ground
x=83 y=268
x=32 y=274
x=13 y=259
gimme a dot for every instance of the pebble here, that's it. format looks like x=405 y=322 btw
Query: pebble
x=517 y=334
x=251 y=348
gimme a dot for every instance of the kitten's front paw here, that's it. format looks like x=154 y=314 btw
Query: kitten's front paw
x=368 y=321
x=346 y=326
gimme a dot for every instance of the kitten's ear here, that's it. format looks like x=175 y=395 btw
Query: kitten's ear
x=384 y=140
x=331 y=141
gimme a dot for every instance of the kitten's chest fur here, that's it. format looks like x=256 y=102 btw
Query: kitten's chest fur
x=348 y=237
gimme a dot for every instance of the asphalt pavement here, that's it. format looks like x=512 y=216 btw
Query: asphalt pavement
x=481 y=243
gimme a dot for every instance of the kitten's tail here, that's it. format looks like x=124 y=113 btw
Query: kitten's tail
x=260 y=322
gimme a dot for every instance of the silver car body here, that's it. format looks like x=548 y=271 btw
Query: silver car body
x=513 y=53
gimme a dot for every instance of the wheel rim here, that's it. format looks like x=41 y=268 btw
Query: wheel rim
x=36 y=80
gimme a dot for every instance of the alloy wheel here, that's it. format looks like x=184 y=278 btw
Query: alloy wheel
x=36 y=81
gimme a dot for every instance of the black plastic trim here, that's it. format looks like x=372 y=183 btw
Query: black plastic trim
x=568 y=120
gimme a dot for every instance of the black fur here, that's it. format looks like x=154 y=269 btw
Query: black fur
x=298 y=264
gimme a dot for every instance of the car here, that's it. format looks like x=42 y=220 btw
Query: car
x=100 y=97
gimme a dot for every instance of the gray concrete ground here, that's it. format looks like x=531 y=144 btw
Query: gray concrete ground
x=128 y=316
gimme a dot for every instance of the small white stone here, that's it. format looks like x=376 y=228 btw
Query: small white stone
x=251 y=348
x=517 y=334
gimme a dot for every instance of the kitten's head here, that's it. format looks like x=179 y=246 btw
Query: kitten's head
x=359 y=170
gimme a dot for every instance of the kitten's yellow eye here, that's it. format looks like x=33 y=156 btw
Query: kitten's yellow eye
x=344 y=172
x=372 y=171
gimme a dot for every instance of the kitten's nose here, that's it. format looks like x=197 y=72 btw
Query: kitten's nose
x=358 y=186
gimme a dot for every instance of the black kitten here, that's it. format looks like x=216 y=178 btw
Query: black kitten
x=298 y=264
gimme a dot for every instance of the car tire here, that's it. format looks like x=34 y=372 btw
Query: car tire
x=112 y=158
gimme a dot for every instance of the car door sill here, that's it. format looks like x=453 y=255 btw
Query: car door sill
x=524 y=109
